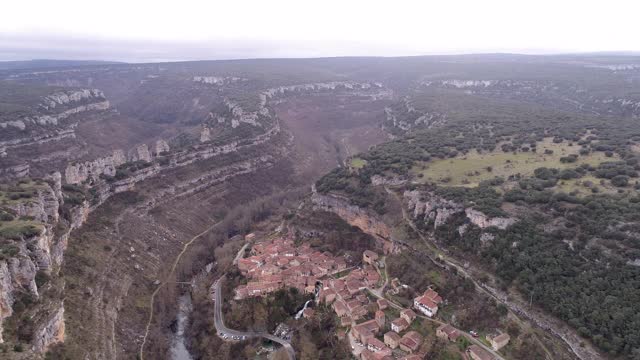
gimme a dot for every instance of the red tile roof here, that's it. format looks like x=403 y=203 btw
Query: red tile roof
x=433 y=296
x=427 y=302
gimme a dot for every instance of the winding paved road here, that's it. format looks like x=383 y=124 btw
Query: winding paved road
x=223 y=330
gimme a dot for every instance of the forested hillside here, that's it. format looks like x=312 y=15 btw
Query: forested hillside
x=567 y=180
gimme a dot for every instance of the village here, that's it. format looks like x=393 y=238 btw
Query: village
x=375 y=327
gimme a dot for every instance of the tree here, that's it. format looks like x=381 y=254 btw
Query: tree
x=620 y=180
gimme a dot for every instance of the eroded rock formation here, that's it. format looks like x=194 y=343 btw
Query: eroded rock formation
x=355 y=216
x=429 y=207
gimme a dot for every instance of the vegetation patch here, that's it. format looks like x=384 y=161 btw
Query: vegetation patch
x=358 y=163
x=474 y=167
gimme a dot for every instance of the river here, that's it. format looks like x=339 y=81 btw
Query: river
x=178 y=346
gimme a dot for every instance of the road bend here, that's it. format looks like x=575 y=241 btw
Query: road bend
x=223 y=330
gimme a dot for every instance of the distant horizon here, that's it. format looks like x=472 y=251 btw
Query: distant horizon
x=488 y=53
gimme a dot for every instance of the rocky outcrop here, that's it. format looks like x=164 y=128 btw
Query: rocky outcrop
x=205 y=134
x=140 y=153
x=71 y=96
x=54 y=135
x=15 y=172
x=482 y=221
x=43 y=208
x=218 y=80
x=50 y=331
x=355 y=216
x=78 y=173
x=385 y=180
x=16 y=273
x=41 y=252
x=332 y=85
x=429 y=207
x=55 y=118
x=240 y=116
x=6 y=294
x=161 y=147
x=19 y=124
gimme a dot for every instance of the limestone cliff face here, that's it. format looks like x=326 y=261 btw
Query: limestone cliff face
x=205 y=134
x=482 y=221
x=332 y=85
x=239 y=115
x=43 y=208
x=161 y=147
x=78 y=173
x=41 y=252
x=355 y=216
x=71 y=96
x=386 y=180
x=140 y=153
x=15 y=172
x=54 y=111
x=50 y=331
x=53 y=119
x=218 y=80
x=6 y=294
x=429 y=207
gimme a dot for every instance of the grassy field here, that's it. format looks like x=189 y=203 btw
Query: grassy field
x=12 y=227
x=19 y=192
x=358 y=163
x=472 y=168
x=583 y=186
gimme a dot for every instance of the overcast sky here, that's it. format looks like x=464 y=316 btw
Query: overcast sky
x=141 y=30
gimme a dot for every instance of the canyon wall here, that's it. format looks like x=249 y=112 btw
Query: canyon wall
x=364 y=219
x=430 y=208
x=40 y=253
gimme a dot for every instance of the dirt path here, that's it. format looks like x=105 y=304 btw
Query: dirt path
x=155 y=292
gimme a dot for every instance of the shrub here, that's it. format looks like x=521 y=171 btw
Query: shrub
x=620 y=180
x=544 y=173
x=42 y=278
x=569 y=159
x=19 y=232
x=5 y=216
x=569 y=174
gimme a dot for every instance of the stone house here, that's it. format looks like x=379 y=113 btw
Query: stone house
x=382 y=304
x=447 y=332
x=411 y=342
x=499 y=341
x=399 y=325
x=392 y=339
x=408 y=315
